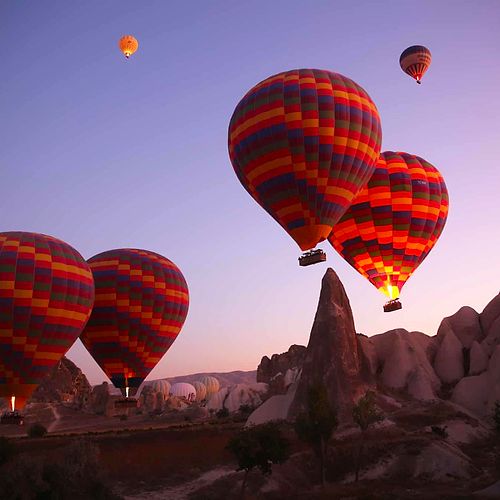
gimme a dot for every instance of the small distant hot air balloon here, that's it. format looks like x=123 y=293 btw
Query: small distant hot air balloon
x=415 y=61
x=141 y=303
x=212 y=385
x=183 y=390
x=46 y=296
x=393 y=223
x=128 y=45
x=303 y=143
x=201 y=390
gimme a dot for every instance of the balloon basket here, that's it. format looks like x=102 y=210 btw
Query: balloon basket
x=392 y=305
x=126 y=403
x=11 y=418
x=312 y=257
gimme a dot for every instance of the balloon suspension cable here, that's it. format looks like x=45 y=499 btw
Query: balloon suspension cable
x=13 y=403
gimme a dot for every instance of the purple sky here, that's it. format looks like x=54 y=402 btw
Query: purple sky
x=106 y=153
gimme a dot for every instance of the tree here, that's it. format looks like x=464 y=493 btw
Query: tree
x=315 y=426
x=259 y=446
x=365 y=413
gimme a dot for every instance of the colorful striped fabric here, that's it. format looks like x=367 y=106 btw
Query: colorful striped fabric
x=303 y=143
x=394 y=222
x=141 y=303
x=415 y=61
x=46 y=296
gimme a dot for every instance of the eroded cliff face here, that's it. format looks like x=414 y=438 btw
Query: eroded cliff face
x=65 y=384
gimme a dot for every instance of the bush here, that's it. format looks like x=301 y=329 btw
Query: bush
x=222 y=413
x=7 y=450
x=37 y=430
x=246 y=409
x=77 y=475
x=259 y=447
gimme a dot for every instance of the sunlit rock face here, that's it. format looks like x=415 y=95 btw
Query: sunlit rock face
x=332 y=353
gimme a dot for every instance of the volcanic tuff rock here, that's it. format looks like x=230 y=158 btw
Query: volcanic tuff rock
x=332 y=353
x=66 y=383
x=281 y=369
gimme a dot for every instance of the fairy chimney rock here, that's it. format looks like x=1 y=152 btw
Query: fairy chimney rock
x=332 y=353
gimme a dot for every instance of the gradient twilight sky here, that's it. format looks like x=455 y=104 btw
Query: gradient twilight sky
x=107 y=153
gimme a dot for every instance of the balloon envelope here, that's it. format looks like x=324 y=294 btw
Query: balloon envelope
x=415 y=61
x=183 y=390
x=303 y=143
x=394 y=222
x=128 y=45
x=141 y=303
x=201 y=390
x=211 y=383
x=46 y=296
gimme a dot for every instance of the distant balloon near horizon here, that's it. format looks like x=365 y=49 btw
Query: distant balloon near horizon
x=141 y=303
x=201 y=390
x=183 y=390
x=394 y=222
x=415 y=61
x=46 y=297
x=212 y=385
x=128 y=45
x=303 y=143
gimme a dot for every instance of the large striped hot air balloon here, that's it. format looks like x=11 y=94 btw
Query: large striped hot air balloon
x=303 y=143
x=394 y=222
x=415 y=61
x=141 y=303
x=46 y=296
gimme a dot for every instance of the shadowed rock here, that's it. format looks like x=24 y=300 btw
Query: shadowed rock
x=332 y=353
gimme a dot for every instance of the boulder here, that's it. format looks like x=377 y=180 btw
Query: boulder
x=449 y=360
x=275 y=408
x=478 y=359
x=489 y=315
x=492 y=337
x=464 y=324
x=404 y=359
x=473 y=393
x=99 y=399
x=332 y=353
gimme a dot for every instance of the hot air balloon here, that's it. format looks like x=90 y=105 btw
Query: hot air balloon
x=394 y=222
x=212 y=385
x=128 y=45
x=415 y=61
x=201 y=390
x=303 y=143
x=161 y=386
x=183 y=390
x=141 y=303
x=46 y=296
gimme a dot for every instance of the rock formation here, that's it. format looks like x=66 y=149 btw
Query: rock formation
x=332 y=353
x=281 y=370
x=65 y=384
x=460 y=363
